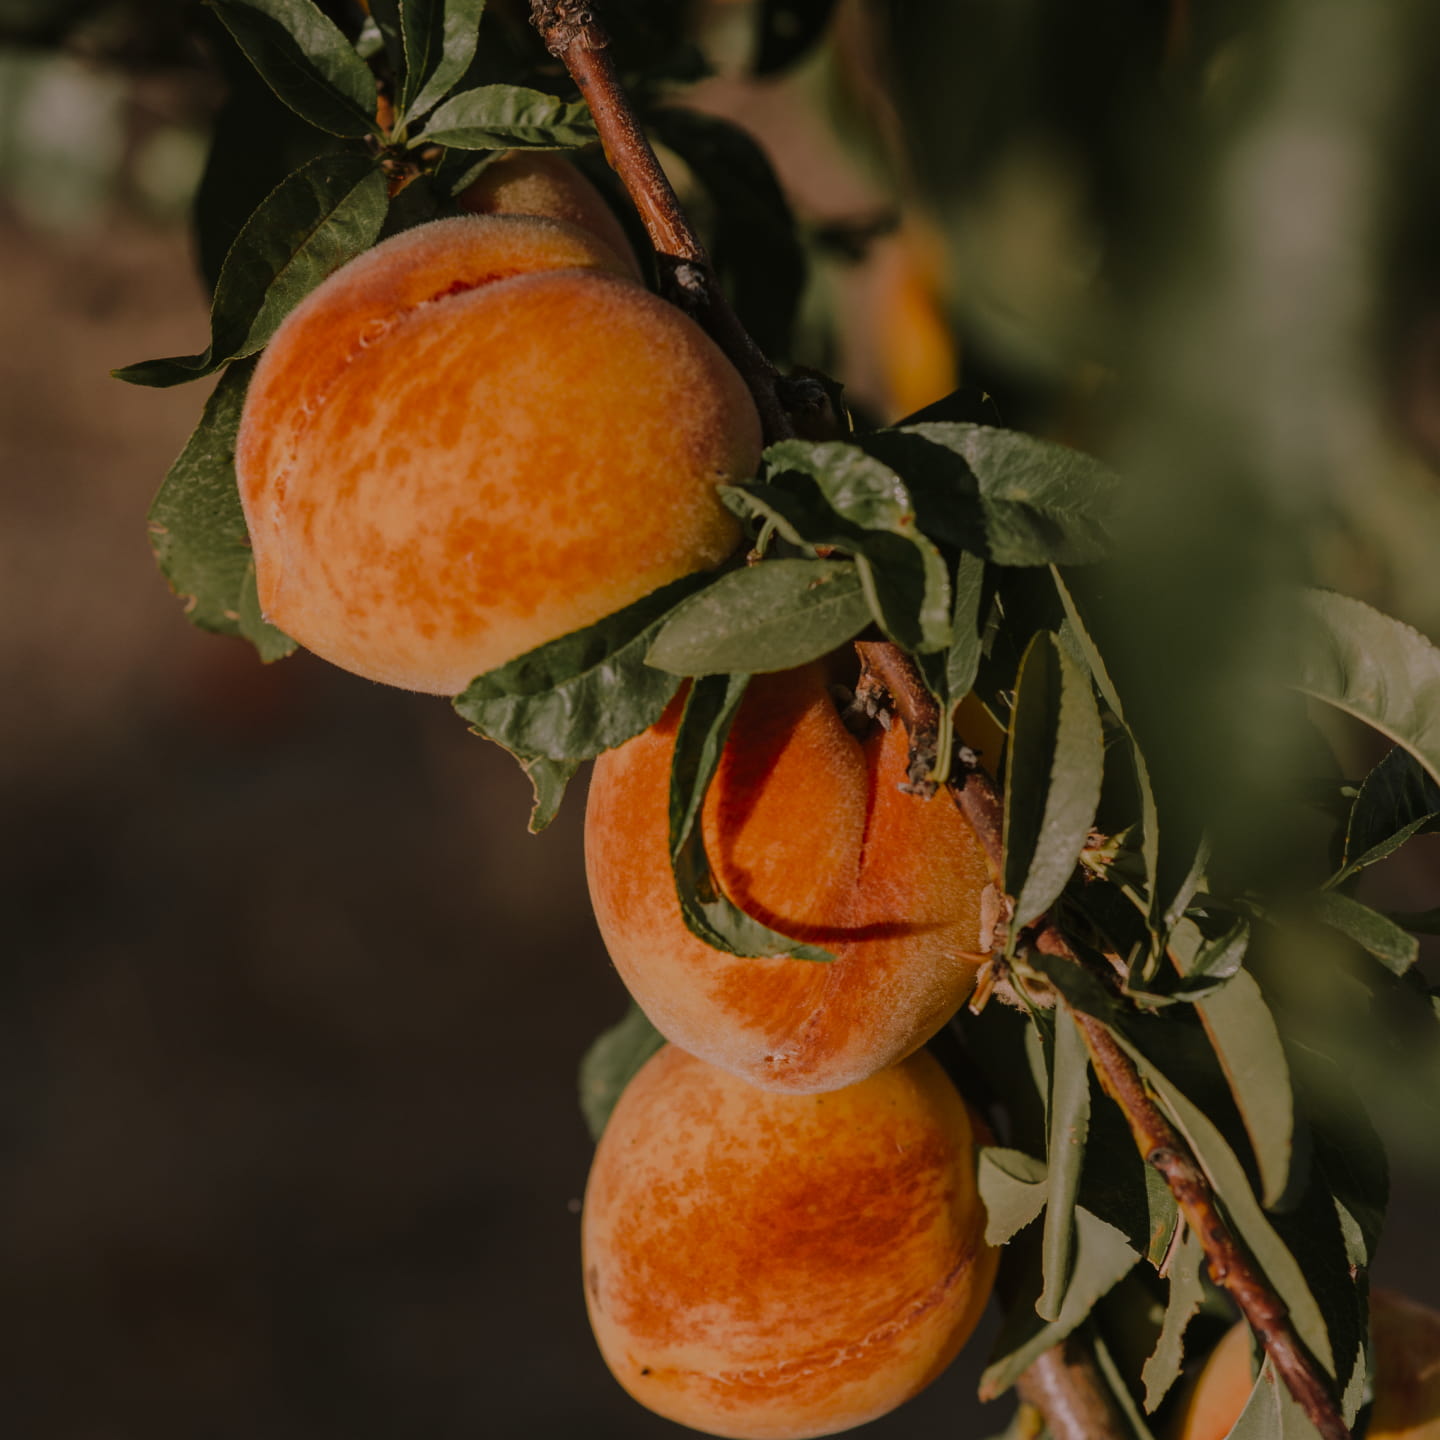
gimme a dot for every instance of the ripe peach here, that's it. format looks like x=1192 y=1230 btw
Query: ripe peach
x=783 y=1265
x=475 y=438
x=542 y=182
x=806 y=829
x=1406 y=1340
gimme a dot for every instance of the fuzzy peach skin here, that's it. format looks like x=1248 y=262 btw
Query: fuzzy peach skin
x=806 y=829
x=1406 y=1342
x=764 y=1265
x=478 y=437
x=542 y=182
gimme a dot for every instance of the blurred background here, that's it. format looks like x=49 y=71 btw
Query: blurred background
x=291 y=1003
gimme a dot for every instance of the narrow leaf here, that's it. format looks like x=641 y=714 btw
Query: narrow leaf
x=1103 y=1257
x=549 y=779
x=611 y=1062
x=197 y=527
x=1053 y=777
x=1272 y=1413
x=1119 y=1388
x=316 y=219
x=1187 y=1290
x=771 y=616
x=440 y=38
x=586 y=692
x=1247 y=1043
x=1378 y=669
x=1065 y=1156
x=1395 y=948
x=710 y=710
x=508 y=117
x=1013 y=1185
x=306 y=60
x=1398 y=799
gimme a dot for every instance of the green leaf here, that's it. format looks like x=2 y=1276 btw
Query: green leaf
x=197 y=527
x=1079 y=635
x=1395 y=948
x=833 y=493
x=710 y=710
x=611 y=1062
x=1119 y=1187
x=1272 y=1413
x=586 y=692
x=1228 y=1177
x=1187 y=1289
x=950 y=674
x=1039 y=503
x=1397 y=800
x=439 y=38
x=549 y=779
x=306 y=60
x=1247 y=1044
x=1056 y=759
x=1378 y=669
x=1119 y=1388
x=1103 y=1257
x=270 y=642
x=962 y=659
x=771 y=616
x=316 y=219
x=1065 y=1153
x=508 y=117
x=385 y=15
x=1013 y=1185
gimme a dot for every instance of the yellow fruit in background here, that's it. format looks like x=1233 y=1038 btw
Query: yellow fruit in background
x=1406 y=1341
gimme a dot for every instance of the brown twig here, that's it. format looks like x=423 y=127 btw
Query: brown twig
x=973 y=790
x=1066 y=1386
x=574 y=35
x=1230 y=1267
x=1159 y=1143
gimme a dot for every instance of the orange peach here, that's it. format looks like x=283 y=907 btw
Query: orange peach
x=764 y=1265
x=1406 y=1341
x=807 y=830
x=477 y=437
x=542 y=182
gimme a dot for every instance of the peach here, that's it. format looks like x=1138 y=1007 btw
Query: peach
x=772 y=1265
x=541 y=182
x=1406 y=1341
x=475 y=438
x=806 y=829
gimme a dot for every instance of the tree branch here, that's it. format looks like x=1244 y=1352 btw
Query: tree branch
x=574 y=35
x=1231 y=1268
x=1159 y=1143
x=1066 y=1386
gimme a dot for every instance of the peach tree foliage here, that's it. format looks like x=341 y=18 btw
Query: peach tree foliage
x=987 y=555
